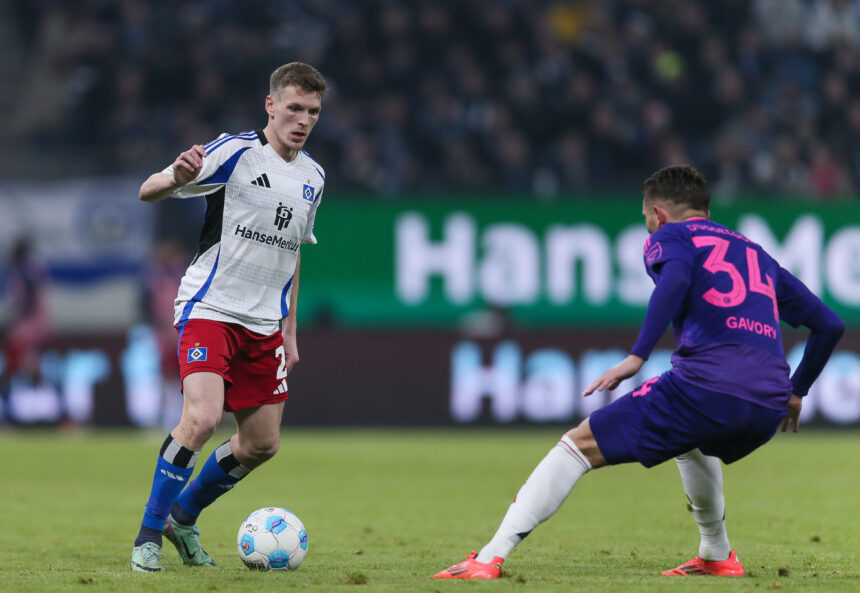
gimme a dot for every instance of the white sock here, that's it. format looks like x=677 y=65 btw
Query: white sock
x=703 y=482
x=540 y=497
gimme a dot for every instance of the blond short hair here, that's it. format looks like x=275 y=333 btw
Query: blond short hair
x=298 y=74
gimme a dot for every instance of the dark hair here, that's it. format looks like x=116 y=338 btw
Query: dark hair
x=299 y=74
x=681 y=185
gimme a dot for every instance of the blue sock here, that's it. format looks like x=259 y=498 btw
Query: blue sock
x=172 y=470
x=219 y=474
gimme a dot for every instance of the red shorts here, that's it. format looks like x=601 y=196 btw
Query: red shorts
x=252 y=365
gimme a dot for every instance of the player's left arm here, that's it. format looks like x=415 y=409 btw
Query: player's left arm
x=289 y=323
x=675 y=277
x=798 y=306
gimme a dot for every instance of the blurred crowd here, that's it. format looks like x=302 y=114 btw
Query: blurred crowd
x=526 y=96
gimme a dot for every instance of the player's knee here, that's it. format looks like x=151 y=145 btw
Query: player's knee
x=584 y=439
x=269 y=450
x=264 y=449
x=581 y=435
x=200 y=426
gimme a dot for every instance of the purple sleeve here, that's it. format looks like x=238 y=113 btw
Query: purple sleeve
x=826 y=328
x=666 y=244
x=672 y=286
x=795 y=301
x=798 y=306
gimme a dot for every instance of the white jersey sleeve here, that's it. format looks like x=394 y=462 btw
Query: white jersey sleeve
x=309 y=230
x=220 y=154
x=309 y=237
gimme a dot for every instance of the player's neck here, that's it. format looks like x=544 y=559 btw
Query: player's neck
x=688 y=215
x=286 y=153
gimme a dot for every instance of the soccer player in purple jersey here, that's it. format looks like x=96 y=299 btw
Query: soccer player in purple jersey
x=727 y=392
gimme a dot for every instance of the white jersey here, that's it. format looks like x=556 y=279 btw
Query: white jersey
x=259 y=209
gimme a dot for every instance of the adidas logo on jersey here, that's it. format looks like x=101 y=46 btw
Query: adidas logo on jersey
x=262 y=180
x=282 y=388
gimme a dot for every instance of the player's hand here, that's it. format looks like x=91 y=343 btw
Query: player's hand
x=614 y=376
x=795 y=403
x=188 y=164
x=291 y=350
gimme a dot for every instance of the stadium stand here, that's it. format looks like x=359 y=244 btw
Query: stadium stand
x=545 y=98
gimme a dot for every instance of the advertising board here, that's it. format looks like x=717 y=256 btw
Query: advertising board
x=393 y=378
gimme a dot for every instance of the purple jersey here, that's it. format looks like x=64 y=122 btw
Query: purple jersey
x=727 y=328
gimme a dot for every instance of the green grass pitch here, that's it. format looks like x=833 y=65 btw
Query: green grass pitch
x=386 y=509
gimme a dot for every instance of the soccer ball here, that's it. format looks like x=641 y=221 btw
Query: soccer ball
x=272 y=539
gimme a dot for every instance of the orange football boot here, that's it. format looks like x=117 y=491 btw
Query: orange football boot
x=472 y=569
x=731 y=567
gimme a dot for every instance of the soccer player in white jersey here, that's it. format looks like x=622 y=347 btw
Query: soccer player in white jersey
x=236 y=308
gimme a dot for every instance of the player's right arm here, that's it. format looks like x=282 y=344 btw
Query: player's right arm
x=798 y=306
x=674 y=281
x=669 y=262
x=186 y=167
